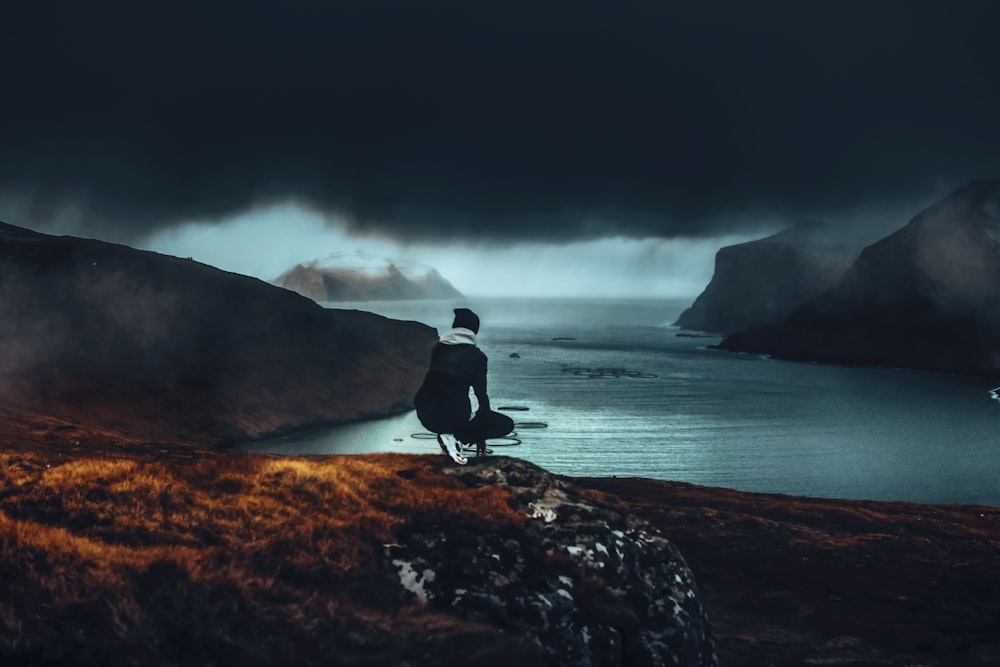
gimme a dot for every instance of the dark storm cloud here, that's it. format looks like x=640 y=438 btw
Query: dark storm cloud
x=491 y=118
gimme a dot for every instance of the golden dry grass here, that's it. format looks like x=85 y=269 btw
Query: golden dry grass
x=129 y=550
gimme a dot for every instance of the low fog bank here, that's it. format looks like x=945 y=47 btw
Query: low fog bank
x=268 y=242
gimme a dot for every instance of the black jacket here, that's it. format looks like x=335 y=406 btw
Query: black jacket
x=442 y=402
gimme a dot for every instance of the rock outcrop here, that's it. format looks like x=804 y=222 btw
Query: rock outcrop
x=360 y=277
x=763 y=281
x=586 y=583
x=923 y=297
x=105 y=339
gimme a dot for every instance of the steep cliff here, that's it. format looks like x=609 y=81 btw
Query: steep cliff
x=762 y=281
x=923 y=297
x=105 y=339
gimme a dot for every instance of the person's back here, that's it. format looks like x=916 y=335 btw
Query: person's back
x=443 y=404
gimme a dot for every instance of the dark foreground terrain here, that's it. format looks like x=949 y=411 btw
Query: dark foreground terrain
x=215 y=558
x=208 y=558
x=800 y=581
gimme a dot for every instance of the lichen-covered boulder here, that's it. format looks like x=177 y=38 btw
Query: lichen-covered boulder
x=585 y=582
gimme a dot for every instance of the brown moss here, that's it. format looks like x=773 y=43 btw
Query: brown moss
x=290 y=543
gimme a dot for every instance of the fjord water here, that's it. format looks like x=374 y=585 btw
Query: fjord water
x=666 y=406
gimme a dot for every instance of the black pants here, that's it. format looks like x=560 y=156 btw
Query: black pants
x=483 y=426
x=443 y=406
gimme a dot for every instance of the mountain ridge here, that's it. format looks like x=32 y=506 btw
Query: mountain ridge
x=361 y=277
x=762 y=281
x=922 y=297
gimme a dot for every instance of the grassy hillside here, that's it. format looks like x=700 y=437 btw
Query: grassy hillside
x=208 y=558
x=225 y=559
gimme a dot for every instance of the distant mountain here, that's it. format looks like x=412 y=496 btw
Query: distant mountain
x=763 y=281
x=926 y=296
x=362 y=277
x=106 y=340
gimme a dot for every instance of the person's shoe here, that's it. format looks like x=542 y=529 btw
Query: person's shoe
x=450 y=446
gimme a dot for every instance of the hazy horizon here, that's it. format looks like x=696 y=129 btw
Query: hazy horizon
x=268 y=242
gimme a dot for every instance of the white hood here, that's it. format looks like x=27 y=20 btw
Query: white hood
x=459 y=336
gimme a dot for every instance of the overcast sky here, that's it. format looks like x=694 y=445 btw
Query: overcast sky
x=547 y=128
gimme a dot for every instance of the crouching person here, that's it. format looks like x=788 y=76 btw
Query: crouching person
x=442 y=402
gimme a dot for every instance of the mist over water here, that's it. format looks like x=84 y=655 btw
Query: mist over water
x=269 y=241
x=674 y=409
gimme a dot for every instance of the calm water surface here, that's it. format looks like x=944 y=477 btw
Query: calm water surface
x=674 y=409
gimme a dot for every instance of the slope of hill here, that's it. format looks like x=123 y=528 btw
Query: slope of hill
x=98 y=338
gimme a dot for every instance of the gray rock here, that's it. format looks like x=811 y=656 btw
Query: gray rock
x=584 y=584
